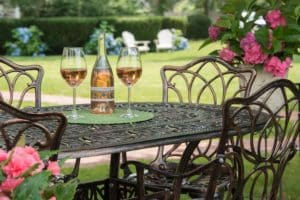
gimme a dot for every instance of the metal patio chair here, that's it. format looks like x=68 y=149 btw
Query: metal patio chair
x=269 y=148
x=42 y=131
x=20 y=81
x=200 y=81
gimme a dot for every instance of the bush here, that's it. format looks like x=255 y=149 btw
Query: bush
x=175 y=23
x=198 y=26
x=26 y=42
x=113 y=46
x=180 y=42
x=66 y=31
x=143 y=28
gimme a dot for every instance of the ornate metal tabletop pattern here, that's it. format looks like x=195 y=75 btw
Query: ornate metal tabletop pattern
x=172 y=123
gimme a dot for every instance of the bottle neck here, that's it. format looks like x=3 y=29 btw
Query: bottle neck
x=101 y=46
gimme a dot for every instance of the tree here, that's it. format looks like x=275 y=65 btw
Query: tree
x=30 y=8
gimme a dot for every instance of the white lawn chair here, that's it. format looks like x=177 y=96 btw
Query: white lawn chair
x=165 y=40
x=129 y=41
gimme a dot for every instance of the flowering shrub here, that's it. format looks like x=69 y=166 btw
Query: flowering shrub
x=113 y=46
x=261 y=33
x=27 y=42
x=180 y=42
x=24 y=175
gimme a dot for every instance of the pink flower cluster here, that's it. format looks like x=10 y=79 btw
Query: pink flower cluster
x=275 y=19
x=17 y=162
x=213 y=32
x=277 y=67
x=227 y=54
x=253 y=53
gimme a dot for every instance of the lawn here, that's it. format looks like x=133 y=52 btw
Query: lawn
x=148 y=88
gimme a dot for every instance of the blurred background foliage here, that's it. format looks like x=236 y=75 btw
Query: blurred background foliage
x=87 y=8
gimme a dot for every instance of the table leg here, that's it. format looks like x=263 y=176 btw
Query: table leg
x=114 y=173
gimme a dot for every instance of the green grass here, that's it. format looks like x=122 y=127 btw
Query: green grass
x=148 y=88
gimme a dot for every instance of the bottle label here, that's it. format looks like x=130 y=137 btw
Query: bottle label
x=102 y=100
x=102 y=94
x=102 y=89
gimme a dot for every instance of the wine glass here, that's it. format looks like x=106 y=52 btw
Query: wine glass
x=129 y=70
x=73 y=69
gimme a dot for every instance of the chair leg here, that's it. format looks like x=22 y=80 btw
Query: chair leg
x=74 y=172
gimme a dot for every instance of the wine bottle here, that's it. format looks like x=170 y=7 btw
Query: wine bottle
x=102 y=82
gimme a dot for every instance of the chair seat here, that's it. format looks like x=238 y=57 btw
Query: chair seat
x=195 y=188
x=143 y=48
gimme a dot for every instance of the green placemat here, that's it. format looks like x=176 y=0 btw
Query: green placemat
x=114 y=118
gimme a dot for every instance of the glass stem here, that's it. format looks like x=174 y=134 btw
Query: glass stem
x=129 y=100
x=74 y=112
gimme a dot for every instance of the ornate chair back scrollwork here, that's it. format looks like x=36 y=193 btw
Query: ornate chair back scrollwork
x=206 y=80
x=19 y=81
x=266 y=148
x=43 y=130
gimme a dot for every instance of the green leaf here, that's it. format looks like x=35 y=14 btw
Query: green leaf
x=262 y=36
x=224 y=22
x=62 y=190
x=21 y=141
x=31 y=187
x=226 y=37
x=2 y=177
x=234 y=6
x=276 y=44
x=30 y=170
x=205 y=43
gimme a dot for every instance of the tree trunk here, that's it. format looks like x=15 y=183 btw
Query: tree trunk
x=206 y=7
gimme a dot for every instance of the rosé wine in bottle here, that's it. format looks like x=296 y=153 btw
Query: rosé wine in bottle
x=102 y=82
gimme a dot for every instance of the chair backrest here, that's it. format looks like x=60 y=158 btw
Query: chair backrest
x=265 y=148
x=40 y=130
x=165 y=36
x=128 y=39
x=205 y=80
x=18 y=83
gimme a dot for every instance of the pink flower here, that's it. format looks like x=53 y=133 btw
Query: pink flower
x=213 y=32
x=277 y=67
x=10 y=184
x=54 y=168
x=248 y=40
x=275 y=19
x=21 y=160
x=227 y=54
x=3 y=155
x=254 y=54
x=3 y=196
x=52 y=198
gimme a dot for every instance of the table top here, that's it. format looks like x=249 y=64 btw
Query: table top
x=172 y=123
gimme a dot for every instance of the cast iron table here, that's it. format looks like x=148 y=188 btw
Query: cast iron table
x=172 y=123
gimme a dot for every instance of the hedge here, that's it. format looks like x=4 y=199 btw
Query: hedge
x=67 y=31
x=198 y=26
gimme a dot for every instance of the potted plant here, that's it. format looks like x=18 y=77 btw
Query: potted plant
x=262 y=34
x=24 y=174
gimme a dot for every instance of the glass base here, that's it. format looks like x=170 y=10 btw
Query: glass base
x=74 y=116
x=129 y=115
